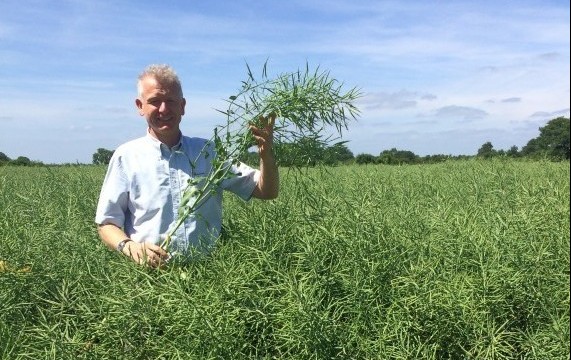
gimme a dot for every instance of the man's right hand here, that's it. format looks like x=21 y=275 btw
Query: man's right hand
x=146 y=254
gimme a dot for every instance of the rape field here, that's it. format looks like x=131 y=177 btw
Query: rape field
x=465 y=259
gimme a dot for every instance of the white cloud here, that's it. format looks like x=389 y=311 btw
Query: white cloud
x=402 y=99
x=511 y=100
x=550 y=115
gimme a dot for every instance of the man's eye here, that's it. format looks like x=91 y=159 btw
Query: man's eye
x=158 y=103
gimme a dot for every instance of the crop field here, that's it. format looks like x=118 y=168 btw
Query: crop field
x=458 y=260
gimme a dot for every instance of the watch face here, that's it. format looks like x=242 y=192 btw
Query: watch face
x=122 y=245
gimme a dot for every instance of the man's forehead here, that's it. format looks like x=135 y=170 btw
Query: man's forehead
x=155 y=86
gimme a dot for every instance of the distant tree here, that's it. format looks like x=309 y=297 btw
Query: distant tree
x=4 y=159
x=305 y=151
x=532 y=149
x=365 y=159
x=22 y=161
x=486 y=150
x=513 y=152
x=337 y=153
x=406 y=157
x=394 y=156
x=102 y=156
x=291 y=154
x=387 y=157
x=431 y=159
x=553 y=140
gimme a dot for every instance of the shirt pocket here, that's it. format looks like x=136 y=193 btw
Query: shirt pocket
x=202 y=167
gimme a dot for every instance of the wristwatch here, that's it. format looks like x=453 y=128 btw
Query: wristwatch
x=122 y=244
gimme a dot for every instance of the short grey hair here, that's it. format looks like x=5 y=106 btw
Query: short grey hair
x=163 y=73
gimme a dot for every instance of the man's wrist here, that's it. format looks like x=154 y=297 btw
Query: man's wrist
x=122 y=244
x=268 y=157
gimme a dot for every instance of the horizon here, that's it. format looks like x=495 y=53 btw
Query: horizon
x=354 y=154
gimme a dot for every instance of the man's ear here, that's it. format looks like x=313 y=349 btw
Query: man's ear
x=139 y=105
x=183 y=104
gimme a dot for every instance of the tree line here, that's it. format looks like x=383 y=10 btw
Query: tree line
x=552 y=143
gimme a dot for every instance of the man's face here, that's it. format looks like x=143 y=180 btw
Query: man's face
x=163 y=108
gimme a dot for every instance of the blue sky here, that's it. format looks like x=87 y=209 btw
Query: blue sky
x=438 y=77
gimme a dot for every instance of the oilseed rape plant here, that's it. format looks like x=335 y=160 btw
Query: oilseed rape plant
x=306 y=103
x=464 y=259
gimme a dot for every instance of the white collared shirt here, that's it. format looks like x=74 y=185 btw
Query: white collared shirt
x=143 y=187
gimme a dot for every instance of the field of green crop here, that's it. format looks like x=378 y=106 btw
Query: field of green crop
x=459 y=260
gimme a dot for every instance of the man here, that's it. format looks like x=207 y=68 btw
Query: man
x=146 y=177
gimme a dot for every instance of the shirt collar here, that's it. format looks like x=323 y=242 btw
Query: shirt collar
x=162 y=148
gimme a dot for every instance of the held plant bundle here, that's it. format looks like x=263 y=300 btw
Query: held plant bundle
x=306 y=103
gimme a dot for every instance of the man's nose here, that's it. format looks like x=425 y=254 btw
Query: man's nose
x=163 y=107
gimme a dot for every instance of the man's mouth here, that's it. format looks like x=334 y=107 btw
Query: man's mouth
x=163 y=121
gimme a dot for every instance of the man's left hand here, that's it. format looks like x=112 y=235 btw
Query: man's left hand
x=264 y=136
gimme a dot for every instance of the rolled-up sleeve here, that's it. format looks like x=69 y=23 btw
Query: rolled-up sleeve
x=244 y=181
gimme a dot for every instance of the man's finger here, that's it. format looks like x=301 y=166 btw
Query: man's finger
x=271 y=121
x=157 y=250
